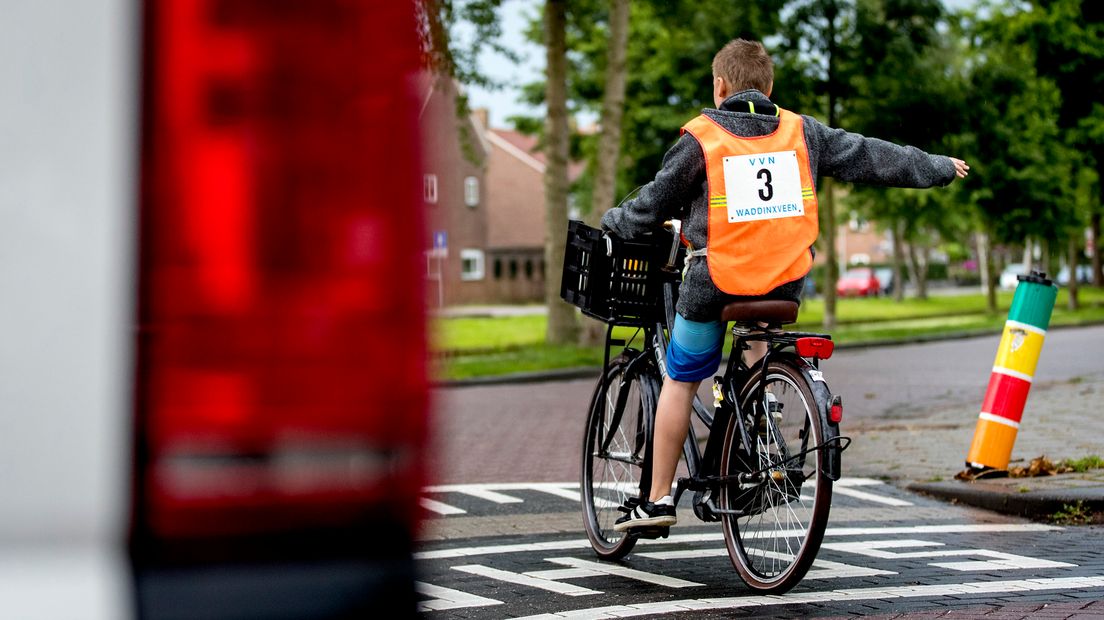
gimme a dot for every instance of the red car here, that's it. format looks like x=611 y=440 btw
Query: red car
x=859 y=282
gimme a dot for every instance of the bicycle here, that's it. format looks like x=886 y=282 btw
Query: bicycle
x=773 y=450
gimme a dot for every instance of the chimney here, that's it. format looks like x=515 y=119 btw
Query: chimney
x=483 y=116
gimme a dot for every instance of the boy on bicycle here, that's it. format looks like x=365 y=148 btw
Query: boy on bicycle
x=742 y=180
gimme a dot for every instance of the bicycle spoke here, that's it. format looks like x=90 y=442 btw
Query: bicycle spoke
x=769 y=543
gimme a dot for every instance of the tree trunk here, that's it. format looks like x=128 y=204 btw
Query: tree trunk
x=609 y=140
x=898 y=260
x=1043 y=264
x=1029 y=256
x=985 y=266
x=1097 y=273
x=1074 y=260
x=918 y=271
x=828 y=215
x=831 y=261
x=562 y=325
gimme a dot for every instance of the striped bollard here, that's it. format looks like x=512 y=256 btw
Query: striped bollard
x=1017 y=355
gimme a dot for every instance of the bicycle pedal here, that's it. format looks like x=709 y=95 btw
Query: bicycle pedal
x=652 y=532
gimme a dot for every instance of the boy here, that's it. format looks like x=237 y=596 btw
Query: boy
x=741 y=178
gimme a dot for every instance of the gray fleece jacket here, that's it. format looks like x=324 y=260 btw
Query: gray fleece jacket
x=680 y=190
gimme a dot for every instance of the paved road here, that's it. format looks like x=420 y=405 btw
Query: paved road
x=532 y=432
x=506 y=539
x=885 y=552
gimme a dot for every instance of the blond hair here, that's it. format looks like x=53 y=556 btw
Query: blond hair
x=744 y=64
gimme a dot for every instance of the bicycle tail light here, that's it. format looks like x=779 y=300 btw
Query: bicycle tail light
x=815 y=346
x=835 y=410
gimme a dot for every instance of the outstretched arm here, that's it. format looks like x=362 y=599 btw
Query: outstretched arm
x=675 y=186
x=856 y=158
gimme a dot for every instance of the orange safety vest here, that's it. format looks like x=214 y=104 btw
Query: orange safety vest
x=762 y=205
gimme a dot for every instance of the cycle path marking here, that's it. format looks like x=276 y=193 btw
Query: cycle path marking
x=493 y=492
x=559 y=545
x=831 y=596
x=552 y=580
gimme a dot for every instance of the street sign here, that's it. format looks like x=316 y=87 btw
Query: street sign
x=440 y=243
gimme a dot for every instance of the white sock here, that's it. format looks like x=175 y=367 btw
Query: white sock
x=666 y=500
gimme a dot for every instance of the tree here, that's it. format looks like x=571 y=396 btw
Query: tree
x=613 y=107
x=562 y=327
x=902 y=73
x=609 y=137
x=1065 y=36
x=1017 y=145
x=816 y=46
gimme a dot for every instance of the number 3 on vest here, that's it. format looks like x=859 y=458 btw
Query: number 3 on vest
x=763 y=186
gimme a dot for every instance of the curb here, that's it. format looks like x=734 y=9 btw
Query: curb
x=538 y=376
x=1006 y=497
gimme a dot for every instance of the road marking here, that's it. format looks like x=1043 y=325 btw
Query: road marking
x=851 y=594
x=559 y=545
x=858 y=482
x=571 y=491
x=604 y=568
x=440 y=507
x=821 y=569
x=447 y=598
x=493 y=496
x=870 y=497
x=525 y=579
x=1004 y=561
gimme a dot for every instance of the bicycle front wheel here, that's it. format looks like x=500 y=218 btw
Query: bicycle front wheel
x=616 y=453
x=775 y=497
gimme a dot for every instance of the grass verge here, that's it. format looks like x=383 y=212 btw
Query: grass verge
x=481 y=346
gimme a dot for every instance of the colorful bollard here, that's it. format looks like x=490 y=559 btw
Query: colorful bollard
x=1017 y=355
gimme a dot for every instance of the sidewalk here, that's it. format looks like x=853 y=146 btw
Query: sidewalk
x=1062 y=420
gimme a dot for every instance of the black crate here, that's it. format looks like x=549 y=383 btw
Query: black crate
x=613 y=280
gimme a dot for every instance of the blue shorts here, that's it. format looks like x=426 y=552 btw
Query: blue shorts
x=695 y=349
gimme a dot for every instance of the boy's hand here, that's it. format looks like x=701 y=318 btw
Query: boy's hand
x=961 y=168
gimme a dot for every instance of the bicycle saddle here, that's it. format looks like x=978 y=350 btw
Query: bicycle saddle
x=772 y=311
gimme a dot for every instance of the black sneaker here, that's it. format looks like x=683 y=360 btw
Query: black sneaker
x=647 y=514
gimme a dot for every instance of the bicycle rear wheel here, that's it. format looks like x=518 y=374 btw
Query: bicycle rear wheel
x=776 y=500
x=616 y=453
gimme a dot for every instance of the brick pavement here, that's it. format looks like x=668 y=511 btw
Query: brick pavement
x=1075 y=610
x=1061 y=420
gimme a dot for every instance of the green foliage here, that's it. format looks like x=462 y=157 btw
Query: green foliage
x=1073 y=514
x=1084 y=464
x=1033 y=87
x=671 y=48
x=1015 y=87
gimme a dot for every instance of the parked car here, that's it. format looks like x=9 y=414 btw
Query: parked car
x=1008 y=276
x=858 y=282
x=1084 y=275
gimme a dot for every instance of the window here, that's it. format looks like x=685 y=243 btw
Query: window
x=471 y=191
x=498 y=269
x=529 y=269
x=429 y=188
x=513 y=268
x=471 y=264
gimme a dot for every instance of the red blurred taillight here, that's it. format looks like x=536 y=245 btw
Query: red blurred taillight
x=811 y=346
x=281 y=377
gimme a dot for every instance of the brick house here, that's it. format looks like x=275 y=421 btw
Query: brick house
x=515 y=211
x=516 y=215
x=484 y=195
x=454 y=166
